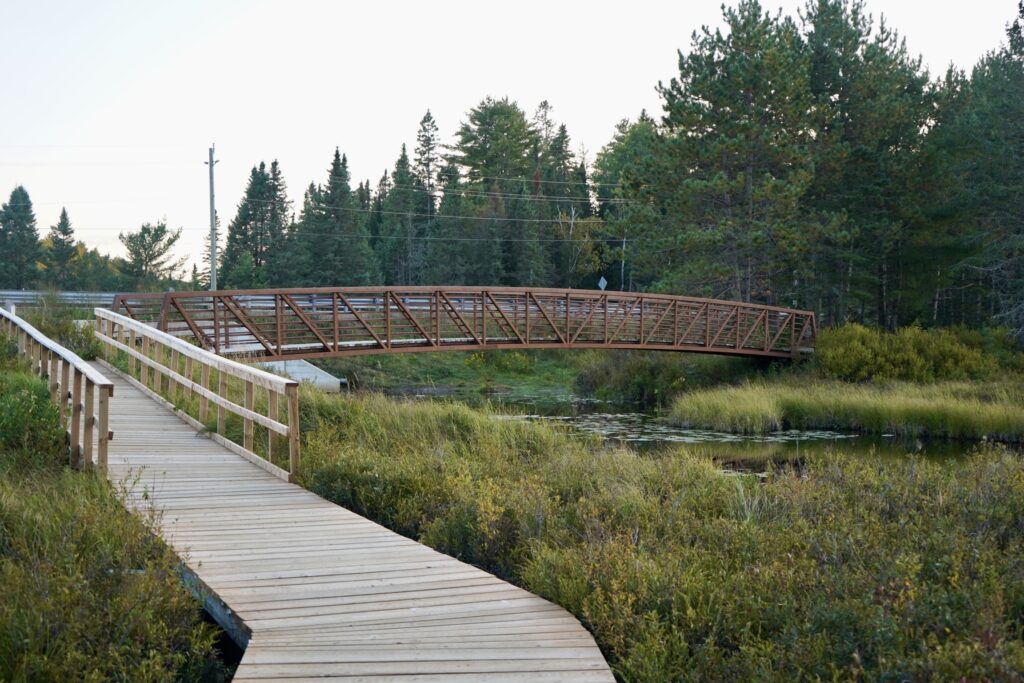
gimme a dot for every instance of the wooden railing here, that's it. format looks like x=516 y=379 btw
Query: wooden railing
x=192 y=379
x=81 y=393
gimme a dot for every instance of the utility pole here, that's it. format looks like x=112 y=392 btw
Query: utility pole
x=213 y=227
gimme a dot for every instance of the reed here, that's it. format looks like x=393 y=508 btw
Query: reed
x=955 y=410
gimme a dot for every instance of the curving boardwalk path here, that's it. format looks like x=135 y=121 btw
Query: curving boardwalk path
x=319 y=592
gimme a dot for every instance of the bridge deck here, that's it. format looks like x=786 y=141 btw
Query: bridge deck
x=320 y=592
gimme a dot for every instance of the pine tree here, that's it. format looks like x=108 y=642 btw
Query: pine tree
x=150 y=263
x=871 y=102
x=19 y=241
x=428 y=159
x=403 y=218
x=497 y=151
x=281 y=258
x=375 y=217
x=258 y=231
x=495 y=144
x=332 y=233
x=62 y=253
x=731 y=170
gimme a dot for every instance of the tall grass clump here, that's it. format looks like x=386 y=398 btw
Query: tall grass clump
x=952 y=410
x=845 y=569
x=87 y=591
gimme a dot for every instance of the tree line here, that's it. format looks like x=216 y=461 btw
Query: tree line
x=804 y=160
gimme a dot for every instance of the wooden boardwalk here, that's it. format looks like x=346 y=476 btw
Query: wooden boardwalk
x=317 y=591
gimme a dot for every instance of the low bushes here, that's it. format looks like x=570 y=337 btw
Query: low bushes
x=87 y=592
x=959 y=410
x=846 y=569
x=855 y=353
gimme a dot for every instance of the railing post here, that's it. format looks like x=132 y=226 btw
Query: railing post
x=273 y=413
x=134 y=347
x=222 y=387
x=144 y=369
x=204 y=403
x=189 y=369
x=65 y=380
x=76 y=420
x=172 y=384
x=247 y=425
x=90 y=420
x=51 y=375
x=292 y=396
x=104 y=429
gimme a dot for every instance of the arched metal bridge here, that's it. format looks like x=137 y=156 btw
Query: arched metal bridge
x=346 y=321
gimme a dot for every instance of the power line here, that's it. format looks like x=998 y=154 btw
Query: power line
x=509 y=195
x=412 y=237
x=355 y=209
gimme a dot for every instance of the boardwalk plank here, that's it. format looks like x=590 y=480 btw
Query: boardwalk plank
x=323 y=592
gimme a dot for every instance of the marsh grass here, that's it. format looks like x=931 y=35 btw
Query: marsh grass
x=841 y=569
x=87 y=590
x=955 y=410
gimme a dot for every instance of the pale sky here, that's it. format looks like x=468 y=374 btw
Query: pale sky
x=108 y=107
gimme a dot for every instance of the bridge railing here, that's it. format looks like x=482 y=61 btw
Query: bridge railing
x=193 y=380
x=81 y=393
x=337 y=321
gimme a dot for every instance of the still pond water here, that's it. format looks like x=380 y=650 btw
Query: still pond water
x=649 y=431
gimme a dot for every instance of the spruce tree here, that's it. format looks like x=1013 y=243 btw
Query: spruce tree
x=428 y=159
x=333 y=233
x=257 y=231
x=403 y=219
x=281 y=258
x=62 y=252
x=19 y=241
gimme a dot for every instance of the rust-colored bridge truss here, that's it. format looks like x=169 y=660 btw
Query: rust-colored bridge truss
x=346 y=321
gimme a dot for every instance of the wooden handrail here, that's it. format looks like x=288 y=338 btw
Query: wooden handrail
x=74 y=387
x=148 y=348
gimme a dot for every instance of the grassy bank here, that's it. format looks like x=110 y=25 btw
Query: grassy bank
x=948 y=383
x=845 y=570
x=959 y=410
x=87 y=592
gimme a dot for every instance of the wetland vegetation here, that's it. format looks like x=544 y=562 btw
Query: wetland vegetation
x=87 y=590
x=834 y=567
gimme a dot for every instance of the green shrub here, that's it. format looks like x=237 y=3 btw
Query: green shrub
x=28 y=421
x=88 y=592
x=854 y=353
x=843 y=569
x=8 y=351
